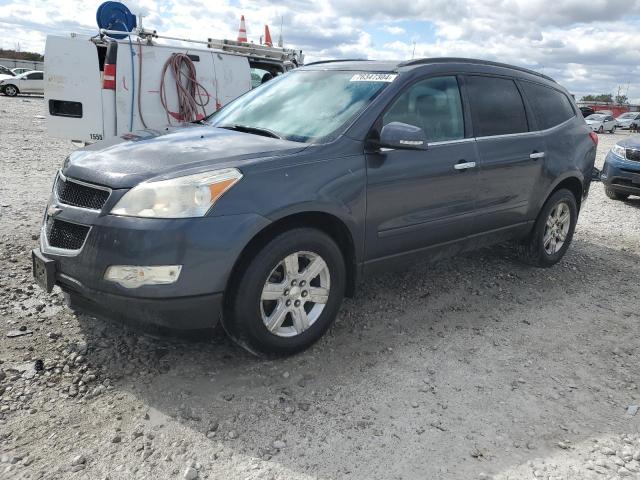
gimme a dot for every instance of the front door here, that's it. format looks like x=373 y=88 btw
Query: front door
x=419 y=199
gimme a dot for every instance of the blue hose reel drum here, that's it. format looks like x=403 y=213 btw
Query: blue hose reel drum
x=115 y=16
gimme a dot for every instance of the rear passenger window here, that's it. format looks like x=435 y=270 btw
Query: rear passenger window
x=496 y=106
x=433 y=105
x=551 y=107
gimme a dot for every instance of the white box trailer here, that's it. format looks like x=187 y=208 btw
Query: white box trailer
x=97 y=88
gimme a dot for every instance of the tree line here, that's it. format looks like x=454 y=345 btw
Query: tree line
x=606 y=97
x=18 y=55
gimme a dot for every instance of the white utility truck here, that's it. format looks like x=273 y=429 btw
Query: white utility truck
x=100 y=87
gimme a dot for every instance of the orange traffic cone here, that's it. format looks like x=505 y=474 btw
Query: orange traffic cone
x=242 y=33
x=267 y=37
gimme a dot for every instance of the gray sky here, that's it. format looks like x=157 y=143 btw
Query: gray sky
x=589 y=46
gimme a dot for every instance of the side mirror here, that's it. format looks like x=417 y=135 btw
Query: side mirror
x=402 y=136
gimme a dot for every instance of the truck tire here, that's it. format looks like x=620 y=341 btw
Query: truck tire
x=553 y=231
x=285 y=297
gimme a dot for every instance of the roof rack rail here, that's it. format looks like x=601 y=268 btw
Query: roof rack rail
x=424 y=61
x=338 y=60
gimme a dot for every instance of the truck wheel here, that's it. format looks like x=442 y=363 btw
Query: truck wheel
x=10 y=90
x=552 y=232
x=613 y=195
x=286 y=296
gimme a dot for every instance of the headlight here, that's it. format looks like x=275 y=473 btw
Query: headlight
x=181 y=197
x=619 y=151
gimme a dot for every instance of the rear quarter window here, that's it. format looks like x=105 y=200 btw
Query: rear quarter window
x=496 y=106
x=550 y=106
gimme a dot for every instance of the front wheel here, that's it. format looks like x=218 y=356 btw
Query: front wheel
x=613 y=130
x=601 y=129
x=613 y=195
x=553 y=230
x=10 y=91
x=284 y=298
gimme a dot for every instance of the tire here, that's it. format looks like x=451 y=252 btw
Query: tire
x=601 y=129
x=10 y=90
x=541 y=247
x=613 y=195
x=267 y=274
x=613 y=130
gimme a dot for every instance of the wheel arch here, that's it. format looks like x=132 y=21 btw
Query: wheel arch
x=572 y=182
x=326 y=222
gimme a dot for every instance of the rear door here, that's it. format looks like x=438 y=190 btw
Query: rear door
x=72 y=87
x=511 y=156
x=139 y=93
x=233 y=77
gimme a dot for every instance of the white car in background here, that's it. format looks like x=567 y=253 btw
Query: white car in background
x=30 y=82
x=600 y=123
x=19 y=71
x=626 y=119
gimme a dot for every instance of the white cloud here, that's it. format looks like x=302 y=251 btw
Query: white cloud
x=590 y=47
x=394 y=30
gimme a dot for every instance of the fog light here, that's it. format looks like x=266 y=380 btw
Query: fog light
x=130 y=276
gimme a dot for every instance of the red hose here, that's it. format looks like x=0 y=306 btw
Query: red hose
x=190 y=92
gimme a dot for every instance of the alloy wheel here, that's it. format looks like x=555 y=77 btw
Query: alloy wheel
x=295 y=294
x=556 y=228
x=10 y=90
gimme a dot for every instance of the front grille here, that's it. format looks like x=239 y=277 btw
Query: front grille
x=69 y=236
x=633 y=154
x=79 y=195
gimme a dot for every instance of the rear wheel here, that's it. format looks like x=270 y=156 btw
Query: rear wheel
x=287 y=295
x=553 y=230
x=613 y=195
x=10 y=90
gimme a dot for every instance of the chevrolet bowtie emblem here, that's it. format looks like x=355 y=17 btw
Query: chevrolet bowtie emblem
x=53 y=210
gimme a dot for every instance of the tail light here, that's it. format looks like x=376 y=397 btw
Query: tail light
x=109 y=76
x=594 y=138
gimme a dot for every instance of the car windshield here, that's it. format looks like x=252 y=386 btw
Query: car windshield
x=6 y=71
x=595 y=117
x=303 y=105
x=627 y=115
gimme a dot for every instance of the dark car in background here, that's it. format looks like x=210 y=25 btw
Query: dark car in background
x=266 y=215
x=621 y=171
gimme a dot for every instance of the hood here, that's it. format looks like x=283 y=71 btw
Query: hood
x=125 y=161
x=630 y=142
x=592 y=121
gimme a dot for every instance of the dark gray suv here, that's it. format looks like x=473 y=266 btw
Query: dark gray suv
x=265 y=215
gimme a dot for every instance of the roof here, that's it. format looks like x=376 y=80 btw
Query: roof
x=389 y=66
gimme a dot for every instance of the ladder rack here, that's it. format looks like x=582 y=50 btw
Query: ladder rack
x=295 y=57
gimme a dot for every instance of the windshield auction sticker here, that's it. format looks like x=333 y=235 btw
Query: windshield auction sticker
x=374 y=77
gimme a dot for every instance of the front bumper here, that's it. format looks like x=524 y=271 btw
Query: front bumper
x=207 y=249
x=621 y=175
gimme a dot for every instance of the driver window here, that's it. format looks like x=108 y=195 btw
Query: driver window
x=433 y=105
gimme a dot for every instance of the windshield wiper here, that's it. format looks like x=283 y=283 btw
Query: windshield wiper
x=253 y=130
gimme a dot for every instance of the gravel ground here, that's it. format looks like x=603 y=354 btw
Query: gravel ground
x=470 y=368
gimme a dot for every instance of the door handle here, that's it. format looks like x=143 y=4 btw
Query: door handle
x=536 y=155
x=462 y=165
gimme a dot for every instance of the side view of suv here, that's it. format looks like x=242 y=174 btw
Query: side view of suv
x=265 y=215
